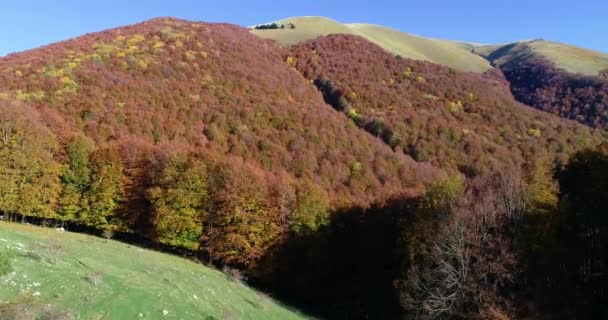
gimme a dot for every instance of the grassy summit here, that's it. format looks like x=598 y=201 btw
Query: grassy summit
x=458 y=55
x=66 y=275
x=451 y=53
x=570 y=58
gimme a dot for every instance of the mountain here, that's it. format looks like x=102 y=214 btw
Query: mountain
x=560 y=66
x=339 y=177
x=148 y=100
x=462 y=56
x=451 y=53
x=561 y=79
x=569 y=58
x=431 y=112
x=193 y=137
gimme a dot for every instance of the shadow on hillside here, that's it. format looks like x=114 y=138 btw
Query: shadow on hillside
x=345 y=271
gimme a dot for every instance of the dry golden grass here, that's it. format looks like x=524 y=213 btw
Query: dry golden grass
x=453 y=54
x=567 y=57
x=457 y=55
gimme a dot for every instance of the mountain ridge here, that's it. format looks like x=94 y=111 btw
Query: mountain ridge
x=560 y=66
x=477 y=49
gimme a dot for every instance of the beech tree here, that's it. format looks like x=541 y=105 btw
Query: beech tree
x=30 y=183
x=434 y=287
x=179 y=199
x=436 y=257
x=460 y=252
x=105 y=192
x=76 y=179
x=311 y=209
x=243 y=222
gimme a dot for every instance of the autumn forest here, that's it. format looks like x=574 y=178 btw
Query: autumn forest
x=341 y=179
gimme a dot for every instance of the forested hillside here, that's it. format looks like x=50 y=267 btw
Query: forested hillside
x=584 y=98
x=551 y=76
x=432 y=112
x=196 y=135
x=555 y=77
x=349 y=182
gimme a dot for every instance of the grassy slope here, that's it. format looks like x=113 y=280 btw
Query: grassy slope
x=453 y=54
x=96 y=279
x=570 y=58
x=450 y=53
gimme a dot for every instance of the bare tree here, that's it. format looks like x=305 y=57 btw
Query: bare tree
x=466 y=257
x=436 y=286
x=512 y=199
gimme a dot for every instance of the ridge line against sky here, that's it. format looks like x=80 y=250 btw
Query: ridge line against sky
x=27 y=24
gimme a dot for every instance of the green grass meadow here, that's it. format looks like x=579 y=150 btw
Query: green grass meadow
x=63 y=275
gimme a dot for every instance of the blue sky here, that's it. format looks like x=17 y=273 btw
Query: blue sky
x=26 y=24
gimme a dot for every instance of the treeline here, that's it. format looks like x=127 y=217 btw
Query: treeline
x=538 y=83
x=468 y=248
x=221 y=208
x=274 y=25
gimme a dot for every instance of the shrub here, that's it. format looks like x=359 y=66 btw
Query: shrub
x=108 y=233
x=273 y=26
x=234 y=274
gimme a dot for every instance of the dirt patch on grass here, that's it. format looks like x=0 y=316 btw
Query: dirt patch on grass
x=29 y=309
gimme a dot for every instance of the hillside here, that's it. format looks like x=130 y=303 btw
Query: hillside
x=557 y=78
x=433 y=113
x=63 y=275
x=562 y=66
x=454 y=54
x=342 y=178
x=458 y=55
x=570 y=58
x=195 y=135
x=540 y=84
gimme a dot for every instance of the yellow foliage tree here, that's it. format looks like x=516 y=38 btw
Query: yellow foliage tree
x=542 y=188
x=135 y=39
x=291 y=61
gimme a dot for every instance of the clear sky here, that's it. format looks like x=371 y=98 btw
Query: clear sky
x=26 y=24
